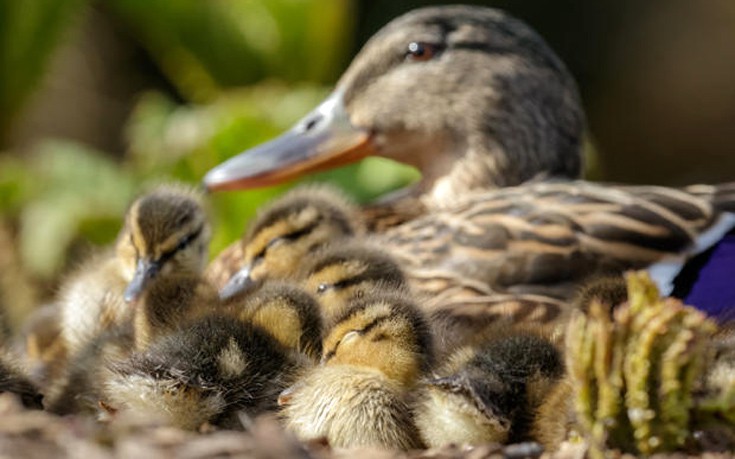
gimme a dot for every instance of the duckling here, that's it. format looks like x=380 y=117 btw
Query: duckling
x=511 y=389
x=287 y=313
x=361 y=393
x=40 y=346
x=78 y=389
x=166 y=231
x=169 y=303
x=347 y=271
x=186 y=362
x=14 y=381
x=609 y=291
x=293 y=226
x=207 y=372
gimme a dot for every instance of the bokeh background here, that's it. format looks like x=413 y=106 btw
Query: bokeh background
x=100 y=99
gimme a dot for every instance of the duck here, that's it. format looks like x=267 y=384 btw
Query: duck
x=169 y=303
x=221 y=367
x=40 y=346
x=511 y=389
x=339 y=274
x=360 y=395
x=284 y=232
x=77 y=389
x=608 y=291
x=14 y=377
x=288 y=313
x=479 y=103
x=166 y=231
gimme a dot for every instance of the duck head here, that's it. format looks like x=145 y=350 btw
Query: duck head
x=469 y=95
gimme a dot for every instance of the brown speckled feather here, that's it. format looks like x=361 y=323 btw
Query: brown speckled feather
x=545 y=238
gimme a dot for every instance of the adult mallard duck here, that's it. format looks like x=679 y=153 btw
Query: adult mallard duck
x=499 y=223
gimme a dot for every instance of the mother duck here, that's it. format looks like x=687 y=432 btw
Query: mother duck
x=482 y=106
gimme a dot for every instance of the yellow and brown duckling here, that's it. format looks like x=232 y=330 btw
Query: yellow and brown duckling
x=167 y=304
x=170 y=303
x=361 y=393
x=287 y=313
x=347 y=271
x=79 y=387
x=509 y=390
x=283 y=234
x=14 y=379
x=223 y=367
x=166 y=232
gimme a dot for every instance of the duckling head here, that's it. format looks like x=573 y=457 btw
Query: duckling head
x=509 y=389
x=166 y=231
x=287 y=313
x=344 y=272
x=295 y=225
x=608 y=290
x=383 y=332
x=471 y=96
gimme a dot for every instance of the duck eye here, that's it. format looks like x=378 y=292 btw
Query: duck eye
x=322 y=288
x=421 y=51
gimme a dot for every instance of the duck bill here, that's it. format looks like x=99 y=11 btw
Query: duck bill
x=323 y=139
x=239 y=283
x=145 y=270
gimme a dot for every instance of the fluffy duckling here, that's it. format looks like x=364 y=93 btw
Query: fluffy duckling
x=512 y=389
x=208 y=372
x=610 y=291
x=40 y=346
x=287 y=313
x=295 y=225
x=13 y=380
x=341 y=273
x=166 y=231
x=360 y=395
x=201 y=364
x=78 y=389
x=169 y=303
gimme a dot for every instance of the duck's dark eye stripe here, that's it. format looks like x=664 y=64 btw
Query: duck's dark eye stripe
x=372 y=325
x=183 y=243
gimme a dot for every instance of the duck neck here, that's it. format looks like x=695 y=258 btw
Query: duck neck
x=474 y=167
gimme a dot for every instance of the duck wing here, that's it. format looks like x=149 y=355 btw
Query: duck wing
x=545 y=238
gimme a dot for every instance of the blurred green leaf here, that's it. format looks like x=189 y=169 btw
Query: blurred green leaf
x=29 y=32
x=205 y=47
x=76 y=192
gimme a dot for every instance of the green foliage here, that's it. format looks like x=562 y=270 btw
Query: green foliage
x=29 y=32
x=636 y=369
x=204 y=47
x=184 y=142
x=247 y=68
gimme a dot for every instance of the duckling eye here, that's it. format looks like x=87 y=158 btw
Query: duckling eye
x=421 y=51
x=322 y=288
x=349 y=337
